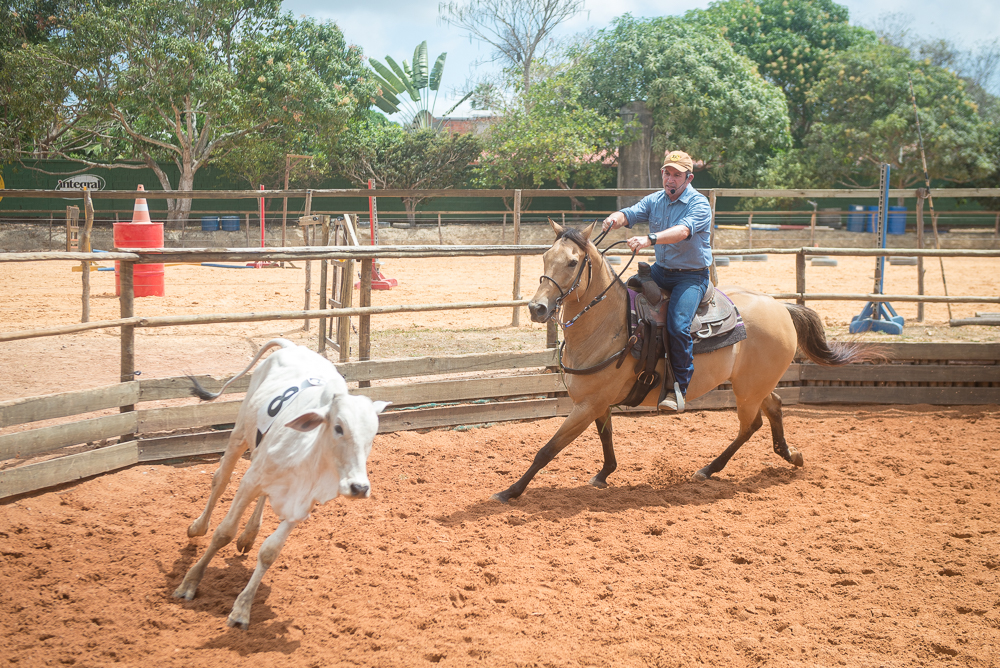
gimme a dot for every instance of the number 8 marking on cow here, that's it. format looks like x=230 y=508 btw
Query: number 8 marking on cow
x=278 y=402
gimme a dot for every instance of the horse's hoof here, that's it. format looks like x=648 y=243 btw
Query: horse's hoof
x=501 y=497
x=598 y=483
x=795 y=457
x=702 y=475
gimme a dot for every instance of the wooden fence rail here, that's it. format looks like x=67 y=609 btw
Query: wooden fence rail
x=517 y=388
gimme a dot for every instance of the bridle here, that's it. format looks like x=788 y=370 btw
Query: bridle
x=587 y=264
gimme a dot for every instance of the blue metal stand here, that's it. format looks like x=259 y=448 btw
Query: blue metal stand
x=879 y=316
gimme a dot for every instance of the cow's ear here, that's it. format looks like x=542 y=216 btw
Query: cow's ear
x=308 y=421
x=380 y=405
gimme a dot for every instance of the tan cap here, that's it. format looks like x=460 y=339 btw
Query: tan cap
x=678 y=159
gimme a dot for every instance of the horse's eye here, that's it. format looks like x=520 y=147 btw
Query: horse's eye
x=339 y=430
x=573 y=263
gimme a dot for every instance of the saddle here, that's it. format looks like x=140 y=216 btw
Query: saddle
x=716 y=324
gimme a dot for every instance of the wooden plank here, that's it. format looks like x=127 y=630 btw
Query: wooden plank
x=184 y=417
x=447 y=416
x=183 y=445
x=33 y=477
x=943 y=351
x=945 y=396
x=177 y=387
x=465 y=390
x=34 y=441
x=60 y=255
x=912 y=373
x=33 y=409
x=430 y=366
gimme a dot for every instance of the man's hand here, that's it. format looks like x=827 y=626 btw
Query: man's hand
x=614 y=221
x=638 y=243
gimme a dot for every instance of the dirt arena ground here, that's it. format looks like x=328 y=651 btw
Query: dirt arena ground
x=881 y=551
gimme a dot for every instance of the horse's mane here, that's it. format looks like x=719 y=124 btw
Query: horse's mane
x=576 y=236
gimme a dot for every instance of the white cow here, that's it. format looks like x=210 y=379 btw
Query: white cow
x=311 y=442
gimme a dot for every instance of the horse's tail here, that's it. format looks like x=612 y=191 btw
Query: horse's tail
x=812 y=341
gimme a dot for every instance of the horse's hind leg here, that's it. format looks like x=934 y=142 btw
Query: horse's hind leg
x=603 y=425
x=750 y=422
x=772 y=408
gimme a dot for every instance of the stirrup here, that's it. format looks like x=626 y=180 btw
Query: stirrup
x=674 y=400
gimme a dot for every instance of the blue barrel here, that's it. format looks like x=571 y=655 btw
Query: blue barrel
x=855 y=218
x=209 y=223
x=230 y=223
x=897 y=220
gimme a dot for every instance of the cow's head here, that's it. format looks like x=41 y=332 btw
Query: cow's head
x=349 y=424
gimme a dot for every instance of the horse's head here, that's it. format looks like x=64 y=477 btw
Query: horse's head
x=564 y=268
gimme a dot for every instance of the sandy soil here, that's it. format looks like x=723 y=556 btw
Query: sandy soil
x=881 y=551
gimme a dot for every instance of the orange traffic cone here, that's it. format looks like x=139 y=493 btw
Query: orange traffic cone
x=140 y=214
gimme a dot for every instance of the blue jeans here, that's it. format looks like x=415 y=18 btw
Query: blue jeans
x=687 y=289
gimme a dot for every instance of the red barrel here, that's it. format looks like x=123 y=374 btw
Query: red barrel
x=147 y=279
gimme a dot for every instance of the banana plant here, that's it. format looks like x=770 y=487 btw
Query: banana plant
x=408 y=88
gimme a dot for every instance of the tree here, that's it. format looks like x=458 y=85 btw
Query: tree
x=704 y=97
x=549 y=136
x=516 y=29
x=865 y=117
x=408 y=88
x=394 y=157
x=789 y=40
x=188 y=82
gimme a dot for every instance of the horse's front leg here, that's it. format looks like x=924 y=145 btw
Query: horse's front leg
x=603 y=425
x=575 y=423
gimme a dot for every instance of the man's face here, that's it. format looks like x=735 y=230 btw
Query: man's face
x=674 y=180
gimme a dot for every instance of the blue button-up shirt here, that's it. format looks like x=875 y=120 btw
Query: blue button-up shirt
x=691 y=210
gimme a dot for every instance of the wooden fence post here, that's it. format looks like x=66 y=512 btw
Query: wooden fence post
x=712 y=273
x=365 y=321
x=800 y=277
x=126 y=302
x=516 y=319
x=346 y=297
x=305 y=240
x=920 y=244
x=323 y=267
x=750 y=231
x=88 y=208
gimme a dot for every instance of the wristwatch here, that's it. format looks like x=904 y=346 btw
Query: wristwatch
x=652 y=238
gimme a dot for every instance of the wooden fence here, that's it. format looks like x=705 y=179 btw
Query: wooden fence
x=114 y=427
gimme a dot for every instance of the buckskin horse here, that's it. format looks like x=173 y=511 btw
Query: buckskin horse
x=576 y=277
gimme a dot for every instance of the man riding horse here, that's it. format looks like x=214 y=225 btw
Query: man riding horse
x=680 y=221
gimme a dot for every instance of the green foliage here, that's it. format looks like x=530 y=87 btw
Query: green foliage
x=705 y=98
x=864 y=117
x=397 y=158
x=548 y=135
x=789 y=40
x=191 y=82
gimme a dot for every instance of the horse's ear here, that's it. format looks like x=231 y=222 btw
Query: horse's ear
x=587 y=231
x=557 y=228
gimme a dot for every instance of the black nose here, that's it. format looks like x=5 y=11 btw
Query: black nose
x=536 y=310
x=357 y=489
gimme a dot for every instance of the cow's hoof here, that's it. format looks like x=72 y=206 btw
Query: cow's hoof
x=702 y=475
x=598 y=483
x=185 y=592
x=238 y=623
x=197 y=528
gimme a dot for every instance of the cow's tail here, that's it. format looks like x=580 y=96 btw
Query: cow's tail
x=813 y=344
x=205 y=395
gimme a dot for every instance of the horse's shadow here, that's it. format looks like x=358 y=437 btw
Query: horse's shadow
x=557 y=502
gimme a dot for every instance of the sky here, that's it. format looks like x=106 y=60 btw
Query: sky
x=395 y=27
